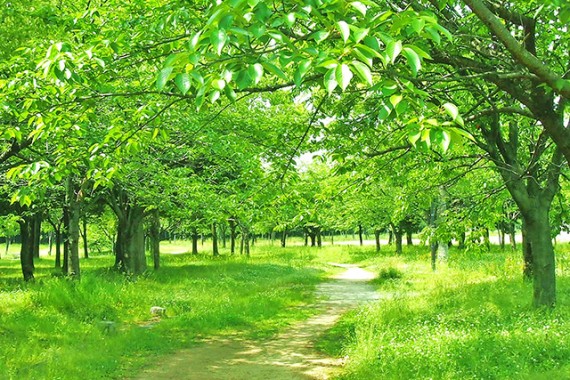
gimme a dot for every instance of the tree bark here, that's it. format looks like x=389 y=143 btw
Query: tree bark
x=377 y=238
x=58 y=247
x=65 y=266
x=360 y=235
x=74 y=216
x=195 y=238
x=215 y=250
x=36 y=235
x=409 y=239
x=284 y=238
x=537 y=226
x=232 y=223
x=26 y=249
x=84 y=236
x=131 y=256
x=154 y=234
x=398 y=238
x=528 y=265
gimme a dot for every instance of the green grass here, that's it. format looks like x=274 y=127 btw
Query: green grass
x=471 y=319
x=52 y=329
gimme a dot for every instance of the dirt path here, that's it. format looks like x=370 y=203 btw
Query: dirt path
x=288 y=356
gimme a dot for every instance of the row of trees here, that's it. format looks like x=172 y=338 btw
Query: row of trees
x=134 y=104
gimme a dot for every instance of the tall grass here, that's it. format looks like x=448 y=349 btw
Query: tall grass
x=471 y=319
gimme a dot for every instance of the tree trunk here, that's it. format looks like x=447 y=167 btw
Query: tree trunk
x=398 y=238
x=215 y=250
x=131 y=256
x=528 y=265
x=26 y=249
x=84 y=236
x=36 y=235
x=537 y=226
x=195 y=238
x=512 y=237
x=58 y=247
x=313 y=237
x=65 y=266
x=319 y=238
x=360 y=234
x=154 y=234
x=501 y=233
x=246 y=239
x=377 y=238
x=284 y=238
x=433 y=252
x=487 y=238
x=74 y=216
x=50 y=243
x=8 y=239
x=223 y=233
x=409 y=240
x=232 y=224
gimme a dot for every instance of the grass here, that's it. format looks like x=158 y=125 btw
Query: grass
x=471 y=319
x=56 y=328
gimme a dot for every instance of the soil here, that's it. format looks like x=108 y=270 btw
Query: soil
x=287 y=356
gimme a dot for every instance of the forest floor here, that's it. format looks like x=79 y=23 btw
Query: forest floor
x=289 y=355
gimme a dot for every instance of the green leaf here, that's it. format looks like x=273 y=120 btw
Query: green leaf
x=344 y=30
x=418 y=24
x=243 y=79
x=359 y=7
x=320 y=35
x=274 y=70
x=395 y=99
x=451 y=110
x=343 y=75
x=218 y=84
x=194 y=40
x=302 y=69
x=413 y=59
x=183 y=83
x=256 y=72
x=363 y=72
x=393 y=50
x=214 y=95
x=330 y=81
x=358 y=33
x=230 y=93
x=218 y=39
x=163 y=76
x=446 y=140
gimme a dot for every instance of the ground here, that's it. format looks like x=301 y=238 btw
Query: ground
x=288 y=356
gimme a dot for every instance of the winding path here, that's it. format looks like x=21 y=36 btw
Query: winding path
x=288 y=356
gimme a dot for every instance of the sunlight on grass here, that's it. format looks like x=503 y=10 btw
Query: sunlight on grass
x=471 y=319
